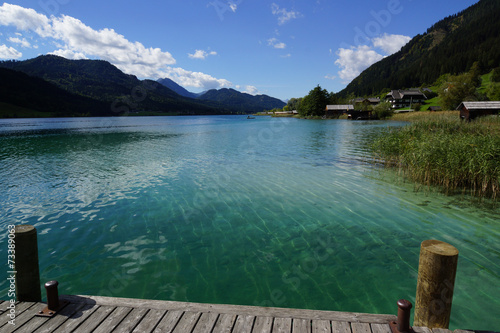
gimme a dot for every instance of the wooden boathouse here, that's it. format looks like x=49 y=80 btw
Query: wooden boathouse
x=472 y=110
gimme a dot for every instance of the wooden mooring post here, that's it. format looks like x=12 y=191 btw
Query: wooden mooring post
x=26 y=264
x=436 y=280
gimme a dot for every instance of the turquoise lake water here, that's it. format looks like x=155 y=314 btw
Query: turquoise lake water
x=221 y=209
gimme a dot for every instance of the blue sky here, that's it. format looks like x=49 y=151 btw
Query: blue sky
x=282 y=48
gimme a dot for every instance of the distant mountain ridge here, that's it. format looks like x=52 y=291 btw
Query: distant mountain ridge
x=177 y=88
x=104 y=90
x=242 y=101
x=450 y=46
x=101 y=81
x=231 y=98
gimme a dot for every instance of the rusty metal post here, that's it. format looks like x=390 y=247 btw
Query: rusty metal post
x=402 y=325
x=52 y=295
x=436 y=280
x=54 y=305
x=26 y=264
x=404 y=312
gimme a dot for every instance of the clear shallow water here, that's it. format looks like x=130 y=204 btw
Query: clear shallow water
x=274 y=212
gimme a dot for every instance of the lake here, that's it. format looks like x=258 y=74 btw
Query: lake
x=222 y=209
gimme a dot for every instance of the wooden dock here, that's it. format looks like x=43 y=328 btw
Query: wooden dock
x=87 y=314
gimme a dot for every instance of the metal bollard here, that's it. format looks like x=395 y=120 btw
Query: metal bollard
x=53 y=303
x=404 y=313
x=52 y=295
x=403 y=322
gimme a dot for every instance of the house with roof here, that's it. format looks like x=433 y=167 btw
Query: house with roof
x=405 y=98
x=368 y=101
x=434 y=108
x=471 y=110
x=338 y=109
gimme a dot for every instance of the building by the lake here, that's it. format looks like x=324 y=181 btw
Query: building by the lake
x=405 y=98
x=471 y=110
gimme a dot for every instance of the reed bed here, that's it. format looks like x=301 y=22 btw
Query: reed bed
x=440 y=149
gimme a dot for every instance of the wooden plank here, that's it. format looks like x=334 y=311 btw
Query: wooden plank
x=113 y=320
x=168 y=322
x=50 y=325
x=301 y=326
x=419 y=329
x=360 y=328
x=381 y=328
x=77 y=318
x=237 y=309
x=26 y=321
x=341 y=327
x=321 y=326
x=20 y=308
x=187 y=322
x=263 y=325
x=148 y=324
x=244 y=324
x=462 y=331
x=225 y=323
x=130 y=321
x=206 y=323
x=440 y=330
x=30 y=324
x=4 y=305
x=282 y=325
x=95 y=319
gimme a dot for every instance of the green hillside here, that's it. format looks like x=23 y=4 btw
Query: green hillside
x=450 y=46
x=103 y=82
x=24 y=96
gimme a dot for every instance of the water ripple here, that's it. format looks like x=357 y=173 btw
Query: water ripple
x=219 y=209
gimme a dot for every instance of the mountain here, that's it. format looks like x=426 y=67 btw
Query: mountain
x=241 y=101
x=19 y=91
x=177 y=88
x=231 y=98
x=450 y=46
x=101 y=81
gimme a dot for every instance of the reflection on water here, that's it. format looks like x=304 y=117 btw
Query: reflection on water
x=274 y=212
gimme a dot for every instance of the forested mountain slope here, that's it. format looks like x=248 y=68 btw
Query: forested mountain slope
x=450 y=46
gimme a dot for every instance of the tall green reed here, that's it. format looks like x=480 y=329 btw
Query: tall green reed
x=442 y=150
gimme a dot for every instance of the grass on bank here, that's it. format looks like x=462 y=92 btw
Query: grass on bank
x=13 y=111
x=438 y=148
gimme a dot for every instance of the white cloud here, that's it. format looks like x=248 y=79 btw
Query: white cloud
x=274 y=42
x=195 y=79
x=106 y=44
x=200 y=54
x=25 y=19
x=9 y=52
x=233 y=6
x=251 y=90
x=390 y=43
x=286 y=55
x=69 y=54
x=354 y=60
x=23 y=42
x=283 y=14
x=75 y=40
